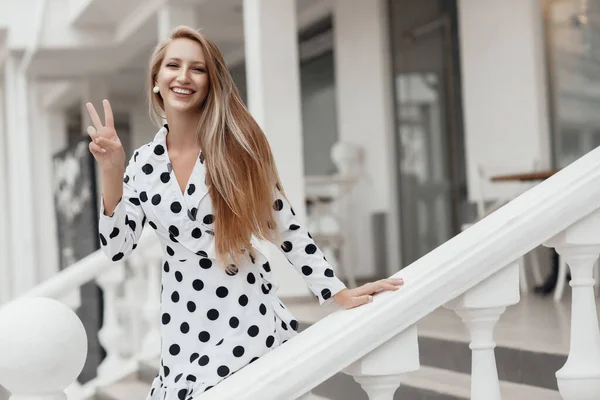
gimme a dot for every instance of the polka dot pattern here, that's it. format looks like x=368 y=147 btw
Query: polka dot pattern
x=215 y=319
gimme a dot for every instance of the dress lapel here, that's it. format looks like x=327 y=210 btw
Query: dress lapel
x=196 y=188
x=180 y=214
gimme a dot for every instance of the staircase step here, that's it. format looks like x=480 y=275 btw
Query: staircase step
x=458 y=385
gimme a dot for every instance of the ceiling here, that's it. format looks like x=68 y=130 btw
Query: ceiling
x=124 y=64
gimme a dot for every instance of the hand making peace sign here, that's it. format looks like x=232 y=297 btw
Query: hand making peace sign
x=105 y=145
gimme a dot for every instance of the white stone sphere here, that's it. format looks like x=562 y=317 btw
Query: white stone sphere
x=43 y=346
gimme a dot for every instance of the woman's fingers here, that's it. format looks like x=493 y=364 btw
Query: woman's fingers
x=94 y=116
x=351 y=298
x=377 y=286
x=108 y=114
x=360 y=300
x=95 y=149
x=368 y=288
x=92 y=132
x=387 y=286
x=107 y=143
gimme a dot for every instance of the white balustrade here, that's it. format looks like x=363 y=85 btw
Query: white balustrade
x=380 y=372
x=130 y=307
x=480 y=308
x=150 y=263
x=122 y=318
x=579 y=245
x=112 y=335
x=43 y=345
x=474 y=274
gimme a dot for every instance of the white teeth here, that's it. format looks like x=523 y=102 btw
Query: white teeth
x=182 y=91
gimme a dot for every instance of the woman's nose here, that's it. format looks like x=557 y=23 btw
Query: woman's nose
x=183 y=76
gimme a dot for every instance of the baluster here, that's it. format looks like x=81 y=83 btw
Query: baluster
x=38 y=366
x=112 y=334
x=135 y=291
x=579 y=378
x=480 y=308
x=379 y=373
x=151 y=342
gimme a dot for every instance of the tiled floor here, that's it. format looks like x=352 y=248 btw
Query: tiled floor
x=536 y=323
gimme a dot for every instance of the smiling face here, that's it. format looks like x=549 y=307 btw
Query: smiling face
x=183 y=77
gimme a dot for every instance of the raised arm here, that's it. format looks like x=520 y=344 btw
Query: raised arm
x=121 y=215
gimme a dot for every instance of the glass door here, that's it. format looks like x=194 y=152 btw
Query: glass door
x=429 y=140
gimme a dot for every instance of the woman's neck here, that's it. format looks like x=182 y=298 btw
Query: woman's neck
x=182 y=132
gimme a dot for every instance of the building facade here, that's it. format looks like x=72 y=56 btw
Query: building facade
x=432 y=91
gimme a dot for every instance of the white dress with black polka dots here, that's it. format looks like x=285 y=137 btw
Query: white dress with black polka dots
x=214 y=320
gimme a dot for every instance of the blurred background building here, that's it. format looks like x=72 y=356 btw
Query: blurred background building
x=387 y=117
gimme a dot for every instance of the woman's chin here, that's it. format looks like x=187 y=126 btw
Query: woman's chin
x=183 y=106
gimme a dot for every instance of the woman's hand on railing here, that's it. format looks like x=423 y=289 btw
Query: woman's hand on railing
x=350 y=298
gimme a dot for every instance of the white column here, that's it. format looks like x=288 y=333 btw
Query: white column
x=503 y=87
x=365 y=117
x=273 y=79
x=49 y=135
x=5 y=267
x=170 y=16
x=23 y=254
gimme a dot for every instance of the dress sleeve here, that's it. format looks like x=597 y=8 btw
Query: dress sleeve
x=120 y=232
x=301 y=251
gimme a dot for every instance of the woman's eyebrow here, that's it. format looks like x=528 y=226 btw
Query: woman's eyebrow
x=179 y=60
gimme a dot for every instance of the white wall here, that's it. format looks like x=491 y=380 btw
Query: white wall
x=5 y=271
x=504 y=88
x=365 y=117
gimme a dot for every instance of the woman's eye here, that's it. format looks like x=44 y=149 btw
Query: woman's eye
x=200 y=69
x=171 y=65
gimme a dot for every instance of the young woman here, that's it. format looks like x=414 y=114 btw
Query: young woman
x=207 y=184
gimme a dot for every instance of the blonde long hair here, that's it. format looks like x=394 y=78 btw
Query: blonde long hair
x=242 y=175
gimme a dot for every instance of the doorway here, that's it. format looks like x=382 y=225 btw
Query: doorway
x=428 y=128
